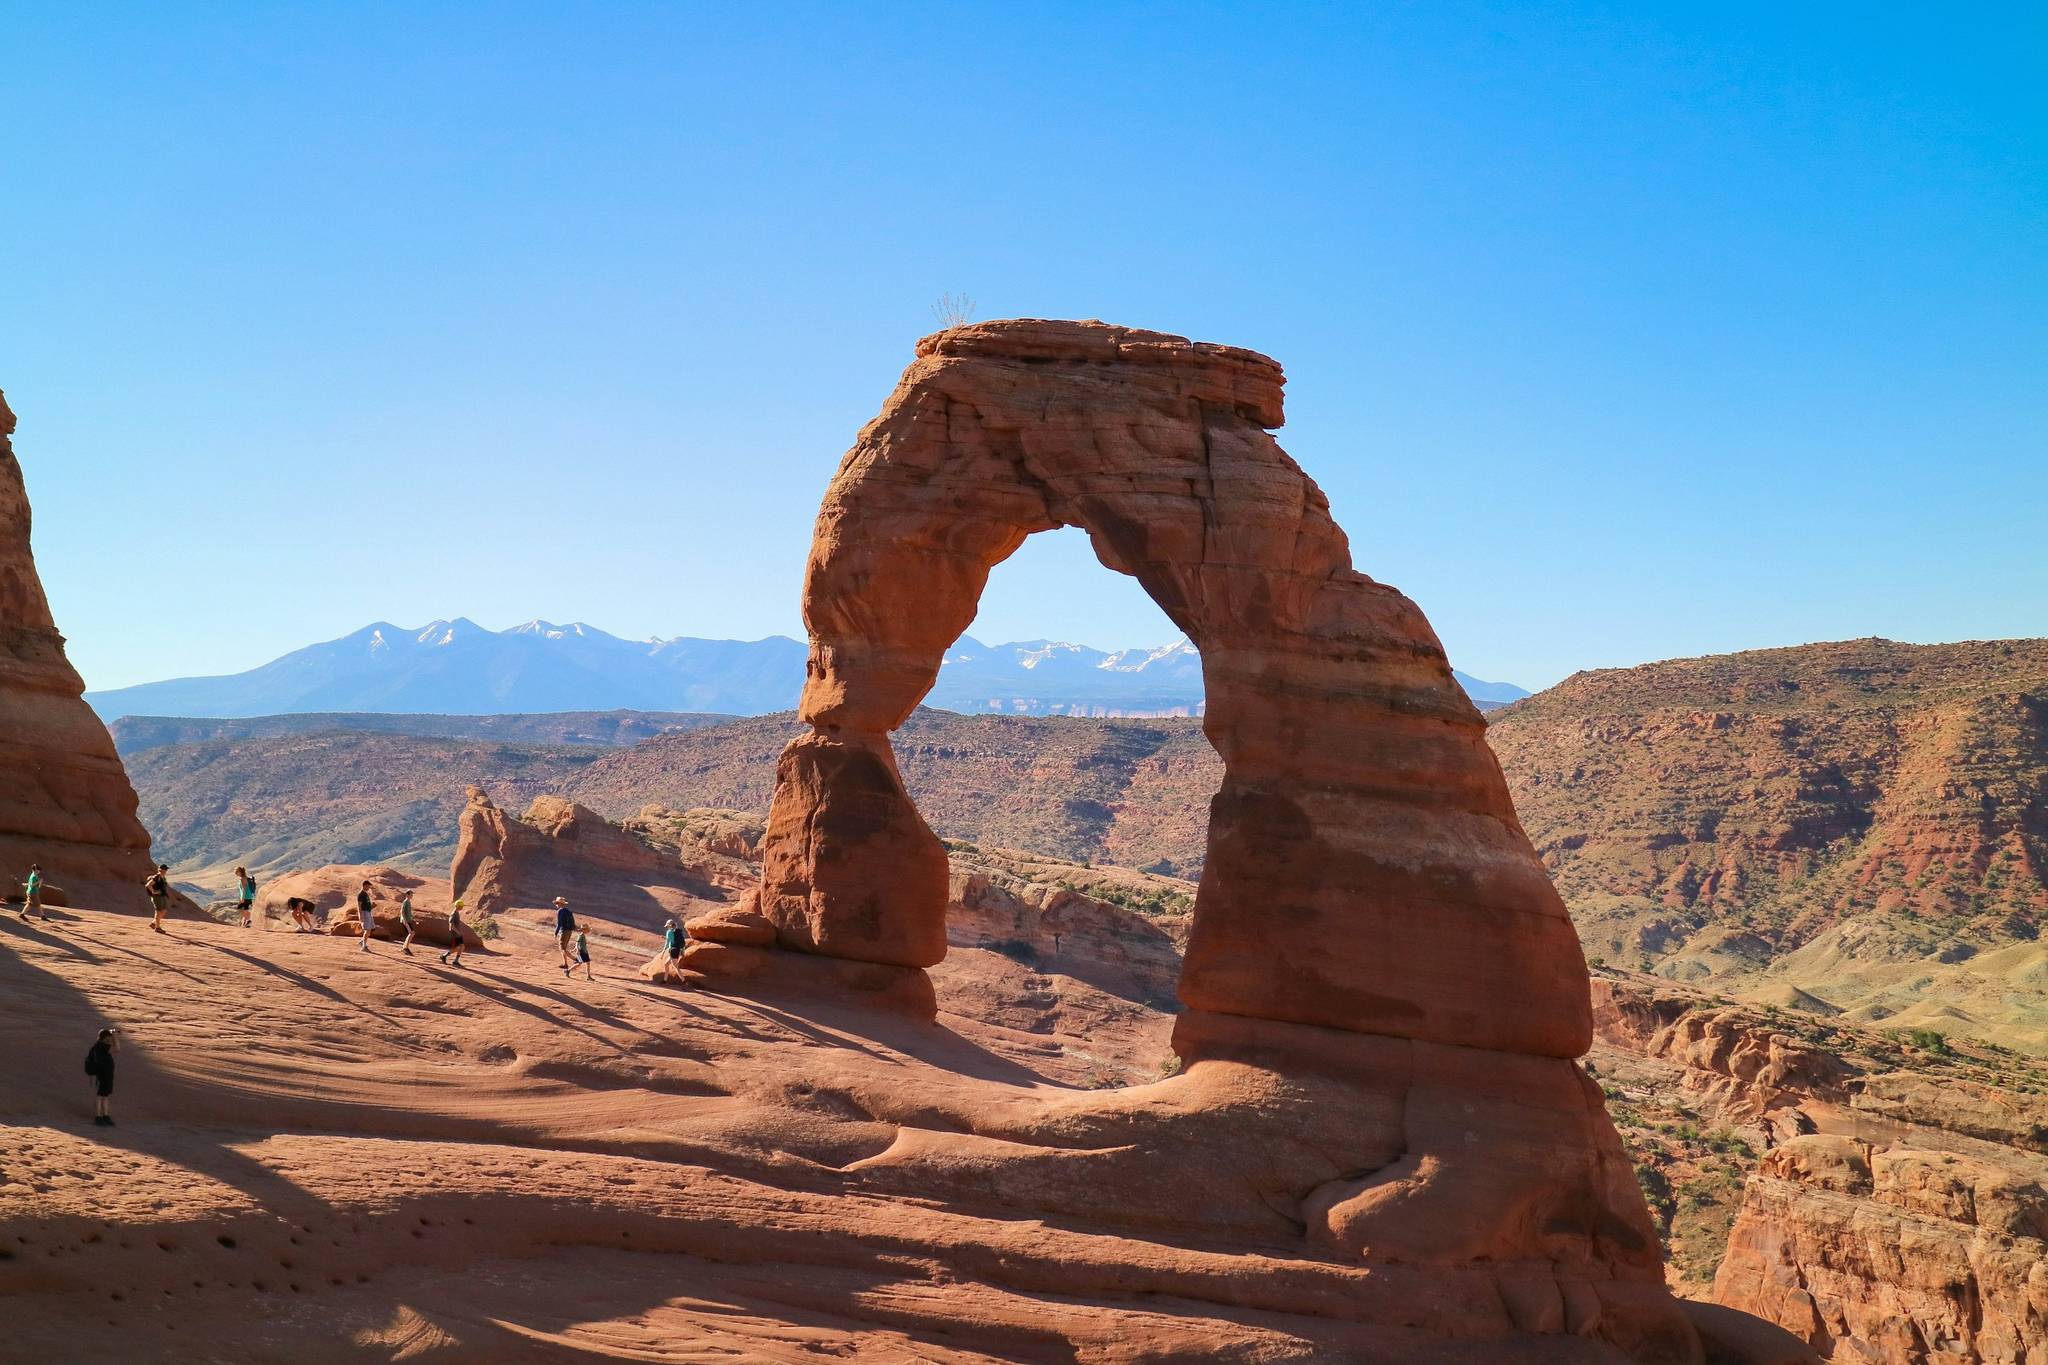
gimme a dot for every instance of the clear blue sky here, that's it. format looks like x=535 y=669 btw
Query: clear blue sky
x=1613 y=334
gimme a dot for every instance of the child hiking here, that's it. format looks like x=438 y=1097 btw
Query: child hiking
x=245 y=892
x=405 y=921
x=32 y=894
x=583 y=956
x=672 y=943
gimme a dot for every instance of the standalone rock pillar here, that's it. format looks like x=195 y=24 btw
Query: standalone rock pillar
x=65 y=799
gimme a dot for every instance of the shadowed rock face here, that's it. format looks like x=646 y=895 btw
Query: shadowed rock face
x=1385 y=993
x=1366 y=870
x=65 y=800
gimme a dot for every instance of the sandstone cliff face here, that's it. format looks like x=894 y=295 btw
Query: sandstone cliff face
x=1881 y=1200
x=1905 y=1252
x=65 y=800
x=1863 y=822
x=1384 y=990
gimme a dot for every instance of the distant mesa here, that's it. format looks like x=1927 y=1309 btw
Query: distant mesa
x=458 y=667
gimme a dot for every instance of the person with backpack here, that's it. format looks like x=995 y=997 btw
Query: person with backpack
x=158 y=885
x=405 y=920
x=366 y=911
x=32 y=894
x=672 y=940
x=583 y=956
x=565 y=931
x=455 y=934
x=99 y=1064
x=245 y=895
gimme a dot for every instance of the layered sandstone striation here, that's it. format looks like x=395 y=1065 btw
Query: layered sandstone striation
x=1901 y=1248
x=1365 y=869
x=65 y=800
x=1384 y=992
x=1879 y=1194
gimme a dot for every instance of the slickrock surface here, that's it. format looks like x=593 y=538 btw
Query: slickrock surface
x=65 y=800
x=1853 y=827
x=328 y=1156
x=1385 y=992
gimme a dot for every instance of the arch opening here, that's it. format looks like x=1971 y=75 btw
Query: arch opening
x=1364 y=869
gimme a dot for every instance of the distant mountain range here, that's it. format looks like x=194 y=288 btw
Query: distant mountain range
x=458 y=667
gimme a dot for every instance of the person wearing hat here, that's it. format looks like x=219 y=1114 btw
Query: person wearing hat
x=158 y=885
x=99 y=1064
x=565 y=931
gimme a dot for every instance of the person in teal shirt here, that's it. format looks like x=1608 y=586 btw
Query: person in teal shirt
x=672 y=940
x=32 y=896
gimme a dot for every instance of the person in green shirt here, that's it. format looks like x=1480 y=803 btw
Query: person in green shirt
x=672 y=940
x=32 y=897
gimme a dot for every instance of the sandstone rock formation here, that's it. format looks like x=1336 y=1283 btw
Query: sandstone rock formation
x=65 y=800
x=332 y=891
x=1365 y=868
x=1384 y=991
x=1881 y=1198
x=1745 y=1068
x=1897 y=1252
x=621 y=873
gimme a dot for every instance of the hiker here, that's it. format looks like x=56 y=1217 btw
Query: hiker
x=565 y=931
x=405 y=920
x=583 y=956
x=301 y=911
x=367 y=911
x=158 y=885
x=672 y=939
x=245 y=892
x=32 y=894
x=455 y=934
x=99 y=1064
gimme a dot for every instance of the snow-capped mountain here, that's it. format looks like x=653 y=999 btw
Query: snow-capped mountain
x=459 y=668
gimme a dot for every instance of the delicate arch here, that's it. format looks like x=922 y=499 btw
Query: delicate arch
x=1365 y=867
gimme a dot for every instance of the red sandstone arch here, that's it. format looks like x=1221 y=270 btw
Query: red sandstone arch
x=1365 y=871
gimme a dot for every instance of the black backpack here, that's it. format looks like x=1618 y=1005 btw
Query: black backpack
x=92 y=1058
